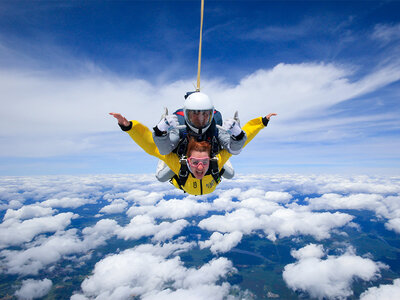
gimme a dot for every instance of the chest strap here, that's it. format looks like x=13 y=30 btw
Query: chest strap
x=183 y=175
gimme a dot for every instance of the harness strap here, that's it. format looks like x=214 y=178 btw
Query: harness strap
x=214 y=146
x=215 y=173
x=183 y=175
x=177 y=181
x=182 y=147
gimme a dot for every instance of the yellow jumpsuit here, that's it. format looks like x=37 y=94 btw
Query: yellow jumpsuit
x=143 y=137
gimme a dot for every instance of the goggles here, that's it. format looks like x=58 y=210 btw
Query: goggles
x=196 y=161
x=199 y=118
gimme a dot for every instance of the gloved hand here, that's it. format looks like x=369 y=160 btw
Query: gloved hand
x=168 y=122
x=232 y=127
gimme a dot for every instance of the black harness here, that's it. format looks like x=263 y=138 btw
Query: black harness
x=211 y=136
x=184 y=172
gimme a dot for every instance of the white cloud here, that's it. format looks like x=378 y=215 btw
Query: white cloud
x=316 y=86
x=172 y=209
x=393 y=224
x=70 y=124
x=28 y=212
x=200 y=292
x=67 y=202
x=383 y=292
x=99 y=233
x=208 y=274
x=221 y=243
x=354 y=201
x=32 y=289
x=143 y=197
x=327 y=278
x=49 y=250
x=151 y=276
x=144 y=225
x=320 y=183
x=390 y=207
x=280 y=197
x=309 y=251
x=57 y=191
x=386 y=33
x=386 y=207
x=282 y=221
x=166 y=249
x=225 y=196
x=167 y=230
x=117 y=206
x=287 y=222
x=360 y=184
x=13 y=204
x=259 y=204
x=15 y=232
x=243 y=220
x=130 y=273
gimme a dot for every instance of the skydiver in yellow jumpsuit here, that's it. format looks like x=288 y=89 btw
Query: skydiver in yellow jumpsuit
x=200 y=181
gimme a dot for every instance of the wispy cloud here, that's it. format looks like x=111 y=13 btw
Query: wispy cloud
x=386 y=33
x=41 y=121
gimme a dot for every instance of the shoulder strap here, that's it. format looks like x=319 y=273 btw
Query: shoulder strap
x=181 y=116
x=183 y=175
x=215 y=146
x=218 y=117
x=214 y=169
x=177 y=181
x=181 y=149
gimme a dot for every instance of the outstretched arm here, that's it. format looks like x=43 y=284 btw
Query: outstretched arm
x=270 y=115
x=143 y=137
x=139 y=133
x=252 y=128
x=121 y=119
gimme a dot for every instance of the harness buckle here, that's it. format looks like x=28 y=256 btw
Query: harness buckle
x=214 y=165
x=184 y=171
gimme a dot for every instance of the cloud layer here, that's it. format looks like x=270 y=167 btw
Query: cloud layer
x=141 y=234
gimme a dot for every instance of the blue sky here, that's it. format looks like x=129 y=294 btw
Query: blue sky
x=330 y=69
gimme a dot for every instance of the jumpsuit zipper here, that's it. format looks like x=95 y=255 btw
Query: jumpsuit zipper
x=201 y=186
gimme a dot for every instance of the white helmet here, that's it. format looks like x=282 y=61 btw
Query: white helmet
x=199 y=112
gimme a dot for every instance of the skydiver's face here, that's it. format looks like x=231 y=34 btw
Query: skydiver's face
x=199 y=162
x=199 y=118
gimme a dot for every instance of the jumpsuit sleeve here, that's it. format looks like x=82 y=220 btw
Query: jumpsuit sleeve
x=231 y=144
x=251 y=128
x=144 y=139
x=166 y=142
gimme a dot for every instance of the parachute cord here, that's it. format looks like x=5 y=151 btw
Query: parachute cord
x=199 y=61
